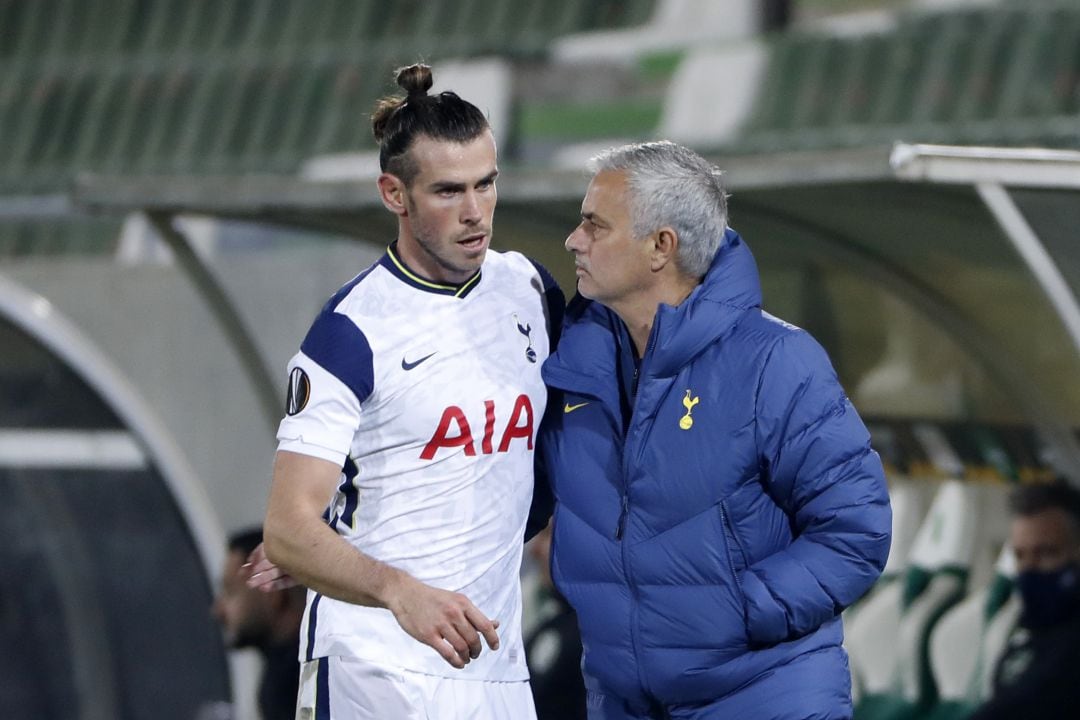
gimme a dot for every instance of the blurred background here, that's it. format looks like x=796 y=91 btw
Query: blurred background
x=184 y=182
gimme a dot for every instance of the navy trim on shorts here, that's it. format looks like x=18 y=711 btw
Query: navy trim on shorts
x=322 y=690
x=312 y=621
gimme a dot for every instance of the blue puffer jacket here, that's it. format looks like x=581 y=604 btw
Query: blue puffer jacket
x=709 y=549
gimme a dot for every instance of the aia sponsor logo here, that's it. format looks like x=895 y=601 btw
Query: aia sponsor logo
x=454 y=430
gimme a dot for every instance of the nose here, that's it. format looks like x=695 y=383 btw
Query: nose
x=470 y=209
x=573 y=240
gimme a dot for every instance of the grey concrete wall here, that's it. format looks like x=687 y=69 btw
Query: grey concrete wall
x=159 y=333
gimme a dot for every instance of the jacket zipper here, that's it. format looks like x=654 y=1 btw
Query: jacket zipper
x=624 y=517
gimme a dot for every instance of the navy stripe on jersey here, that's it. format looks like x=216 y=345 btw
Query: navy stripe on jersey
x=313 y=617
x=322 y=690
x=556 y=303
x=340 y=348
x=352 y=495
x=335 y=353
x=392 y=261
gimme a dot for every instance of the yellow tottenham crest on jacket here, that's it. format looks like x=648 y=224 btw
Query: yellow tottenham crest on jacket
x=687 y=422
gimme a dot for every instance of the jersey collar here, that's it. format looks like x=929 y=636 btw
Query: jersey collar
x=397 y=267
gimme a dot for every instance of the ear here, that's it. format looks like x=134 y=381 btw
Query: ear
x=392 y=194
x=665 y=243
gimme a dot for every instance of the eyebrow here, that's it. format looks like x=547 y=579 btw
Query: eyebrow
x=442 y=185
x=592 y=217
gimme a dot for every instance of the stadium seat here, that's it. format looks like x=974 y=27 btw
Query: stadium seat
x=968 y=640
x=873 y=623
x=688 y=99
x=642 y=26
x=940 y=564
x=487 y=82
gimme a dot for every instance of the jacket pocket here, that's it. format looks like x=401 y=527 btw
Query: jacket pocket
x=735 y=551
x=736 y=556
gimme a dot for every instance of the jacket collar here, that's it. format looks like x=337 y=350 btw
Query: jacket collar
x=679 y=334
x=729 y=288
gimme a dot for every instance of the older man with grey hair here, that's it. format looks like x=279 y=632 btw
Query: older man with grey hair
x=718 y=502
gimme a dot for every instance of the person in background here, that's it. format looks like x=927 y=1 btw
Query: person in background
x=718 y=503
x=269 y=622
x=553 y=647
x=1038 y=675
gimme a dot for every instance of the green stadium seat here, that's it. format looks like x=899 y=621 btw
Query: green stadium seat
x=355 y=87
x=968 y=641
x=278 y=85
x=12 y=18
x=998 y=61
x=176 y=87
x=874 y=622
x=1053 y=86
x=300 y=118
x=861 y=77
x=912 y=75
x=64 y=129
x=31 y=39
x=685 y=105
x=99 y=130
x=964 y=523
x=215 y=91
x=13 y=93
x=783 y=77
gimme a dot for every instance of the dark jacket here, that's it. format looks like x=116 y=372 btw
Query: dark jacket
x=1038 y=675
x=712 y=544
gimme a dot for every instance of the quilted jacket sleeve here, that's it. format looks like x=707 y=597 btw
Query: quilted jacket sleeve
x=817 y=465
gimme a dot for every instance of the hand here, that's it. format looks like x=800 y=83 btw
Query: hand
x=264 y=575
x=444 y=620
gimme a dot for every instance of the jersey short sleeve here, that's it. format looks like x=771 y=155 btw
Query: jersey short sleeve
x=328 y=380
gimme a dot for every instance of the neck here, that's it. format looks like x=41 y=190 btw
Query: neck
x=419 y=262
x=639 y=312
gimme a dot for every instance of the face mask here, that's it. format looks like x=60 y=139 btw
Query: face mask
x=1049 y=597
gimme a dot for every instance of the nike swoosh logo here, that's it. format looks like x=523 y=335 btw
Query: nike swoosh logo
x=410 y=365
x=568 y=408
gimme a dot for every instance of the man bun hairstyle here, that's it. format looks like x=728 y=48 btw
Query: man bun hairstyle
x=397 y=121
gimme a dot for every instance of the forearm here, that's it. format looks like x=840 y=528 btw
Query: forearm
x=300 y=542
x=320 y=559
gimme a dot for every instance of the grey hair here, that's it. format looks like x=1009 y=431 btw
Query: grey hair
x=673 y=186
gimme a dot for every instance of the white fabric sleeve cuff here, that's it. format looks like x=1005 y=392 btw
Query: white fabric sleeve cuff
x=297 y=445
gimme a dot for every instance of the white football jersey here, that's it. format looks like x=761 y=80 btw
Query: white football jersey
x=430 y=398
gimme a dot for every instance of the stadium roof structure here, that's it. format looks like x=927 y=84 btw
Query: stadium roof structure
x=912 y=219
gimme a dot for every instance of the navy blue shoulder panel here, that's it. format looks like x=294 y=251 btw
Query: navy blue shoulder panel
x=340 y=347
x=556 y=303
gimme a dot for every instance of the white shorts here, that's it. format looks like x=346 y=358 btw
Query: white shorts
x=346 y=688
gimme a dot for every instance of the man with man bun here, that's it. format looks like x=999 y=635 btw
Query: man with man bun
x=404 y=471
